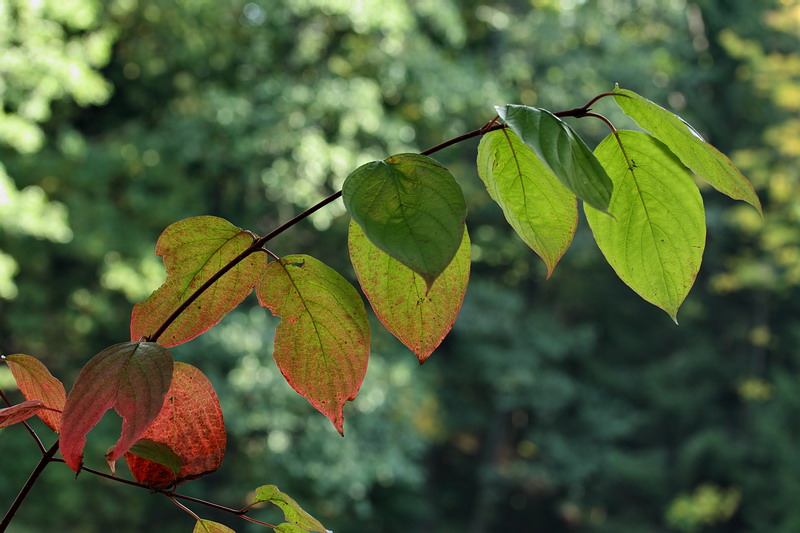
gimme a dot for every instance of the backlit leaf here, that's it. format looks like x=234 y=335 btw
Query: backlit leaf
x=693 y=151
x=131 y=377
x=411 y=207
x=189 y=424
x=420 y=318
x=539 y=208
x=656 y=238
x=37 y=383
x=207 y=526
x=193 y=250
x=288 y=527
x=322 y=341
x=156 y=452
x=291 y=509
x=19 y=412
x=562 y=151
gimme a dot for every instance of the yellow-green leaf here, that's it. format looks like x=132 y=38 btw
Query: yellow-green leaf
x=291 y=509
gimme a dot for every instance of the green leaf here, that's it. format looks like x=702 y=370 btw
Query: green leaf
x=322 y=342
x=288 y=527
x=656 y=237
x=419 y=317
x=411 y=207
x=693 y=151
x=207 y=526
x=157 y=452
x=291 y=509
x=194 y=249
x=37 y=383
x=539 y=208
x=562 y=151
x=133 y=378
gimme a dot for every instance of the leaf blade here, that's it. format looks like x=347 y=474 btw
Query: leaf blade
x=292 y=511
x=37 y=383
x=208 y=526
x=20 y=412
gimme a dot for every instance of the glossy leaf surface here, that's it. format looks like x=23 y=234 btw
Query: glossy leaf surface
x=207 y=526
x=132 y=378
x=291 y=509
x=693 y=151
x=410 y=207
x=562 y=151
x=37 y=383
x=322 y=341
x=193 y=250
x=656 y=237
x=19 y=412
x=190 y=424
x=540 y=209
x=419 y=317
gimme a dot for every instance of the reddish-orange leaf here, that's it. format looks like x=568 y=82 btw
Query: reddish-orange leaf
x=419 y=317
x=133 y=378
x=22 y=411
x=322 y=342
x=190 y=423
x=37 y=383
x=194 y=250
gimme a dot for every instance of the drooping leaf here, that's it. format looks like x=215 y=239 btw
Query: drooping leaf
x=131 y=377
x=37 y=383
x=157 y=453
x=419 y=317
x=207 y=526
x=291 y=509
x=411 y=207
x=322 y=341
x=19 y=412
x=190 y=424
x=193 y=251
x=693 y=151
x=540 y=209
x=562 y=151
x=656 y=238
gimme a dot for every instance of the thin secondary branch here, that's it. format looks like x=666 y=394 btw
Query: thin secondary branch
x=26 y=488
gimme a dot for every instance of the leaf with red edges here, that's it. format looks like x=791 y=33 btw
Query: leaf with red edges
x=322 y=342
x=193 y=251
x=398 y=294
x=133 y=378
x=37 y=383
x=19 y=412
x=190 y=424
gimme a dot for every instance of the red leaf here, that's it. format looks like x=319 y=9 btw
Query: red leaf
x=194 y=250
x=419 y=317
x=37 y=383
x=322 y=342
x=131 y=377
x=190 y=423
x=21 y=411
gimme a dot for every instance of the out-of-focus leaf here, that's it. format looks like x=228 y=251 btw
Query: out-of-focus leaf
x=19 y=412
x=193 y=251
x=291 y=509
x=564 y=153
x=131 y=377
x=207 y=526
x=37 y=383
x=419 y=317
x=156 y=452
x=410 y=207
x=656 y=237
x=693 y=151
x=322 y=342
x=190 y=424
x=540 y=209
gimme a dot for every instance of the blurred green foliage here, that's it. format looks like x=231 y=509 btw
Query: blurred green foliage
x=553 y=406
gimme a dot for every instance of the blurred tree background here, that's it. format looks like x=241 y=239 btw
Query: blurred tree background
x=559 y=405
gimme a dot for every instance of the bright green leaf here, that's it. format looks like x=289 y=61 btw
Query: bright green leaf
x=694 y=152
x=287 y=527
x=157 y=452
x=562 y=151
x=193 y=250
x=656 y=237
x=419 y=317
x=322 y=342
x=291 y=509
x=539 y=208
x=207 y=526
x=411 y=207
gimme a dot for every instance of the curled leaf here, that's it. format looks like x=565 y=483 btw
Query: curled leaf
x=37 y=383
x=292 y=511
x=19 y=412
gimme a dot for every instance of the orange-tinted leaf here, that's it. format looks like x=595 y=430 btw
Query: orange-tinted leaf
x=322 y=342
x=194 y=250
x=398 y=294
x=131 y=377
x=37 y=383
x=207 y=526
x=190 y=424
x=22 y=411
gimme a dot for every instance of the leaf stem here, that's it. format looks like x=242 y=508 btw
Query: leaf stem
x=631 y=165
x=26 y=488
